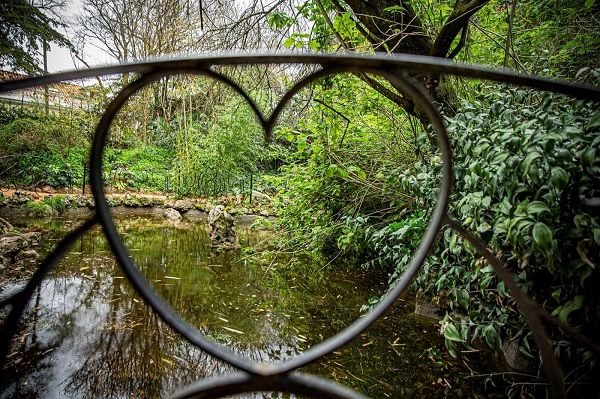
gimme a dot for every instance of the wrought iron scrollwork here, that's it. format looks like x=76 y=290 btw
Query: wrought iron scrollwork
x=283 y=377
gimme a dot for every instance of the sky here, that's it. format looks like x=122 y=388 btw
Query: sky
x=60 y=59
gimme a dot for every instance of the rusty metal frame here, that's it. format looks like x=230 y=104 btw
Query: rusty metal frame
x=284 y=376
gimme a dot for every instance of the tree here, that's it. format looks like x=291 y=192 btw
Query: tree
x=137 y=29
x=23 y=28
x=399 y=27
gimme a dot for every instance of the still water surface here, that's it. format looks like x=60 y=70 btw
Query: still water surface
x=88 y=334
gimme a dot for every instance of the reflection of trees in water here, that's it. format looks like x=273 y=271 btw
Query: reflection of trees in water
x=27 y=352
x=125 y=350
x=136 y=355
x=128 y=351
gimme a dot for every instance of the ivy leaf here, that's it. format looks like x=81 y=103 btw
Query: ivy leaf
x=451 y=347
x=396 y=9
x=533 y=155
x=462 y=296
x=597 y=236
x=537 y=207
x=491 y=336
x=451 y=333
x=589 y=3
x=486 y=201
x=587 y=156
x=542 y=236
x=289 y=42
x=564 y=311
x=594 y=122
x=358 y=172
x=556 y=294
x=559 y=177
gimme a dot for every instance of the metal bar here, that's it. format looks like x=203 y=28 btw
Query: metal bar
x=282 y=376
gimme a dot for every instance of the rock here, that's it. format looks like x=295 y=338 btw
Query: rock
x=48 y=189
x=28 y=256
x=18 y=199
x=261 y=198
x=132 y=201
x=172 y=214
x=145 y=201
x=222 y=231
x=427 y=309
x=5 y=227
x=517 y=360
x=183 y=205
x=264 y=213
x=11 y=245
x=80 y=201
x=114 y=200
x=33 y=238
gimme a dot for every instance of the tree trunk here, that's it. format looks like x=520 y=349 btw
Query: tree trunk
x=393 y=26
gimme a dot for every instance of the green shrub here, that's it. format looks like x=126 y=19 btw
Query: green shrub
x=147 y=168
x=51 y=205
x=59 y=203
x=350 y=146
x=39 y=208
x=526 y=166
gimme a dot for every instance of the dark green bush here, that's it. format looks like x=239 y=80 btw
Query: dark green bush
x=526 y=173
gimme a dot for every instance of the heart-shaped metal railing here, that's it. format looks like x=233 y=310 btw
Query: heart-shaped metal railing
x=283 y=377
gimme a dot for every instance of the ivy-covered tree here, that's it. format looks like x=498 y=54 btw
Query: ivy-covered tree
x=23 y=30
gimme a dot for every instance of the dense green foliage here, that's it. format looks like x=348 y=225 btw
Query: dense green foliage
x=526 y=175
x=348 y=145
x=51 y=150
x=526 y=168
x=41 y=150
x=213 y=154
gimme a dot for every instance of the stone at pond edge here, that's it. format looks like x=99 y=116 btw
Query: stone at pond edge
x=517 y=360
x=183 y=205
x=5 y=227
x=222 y=231
x=28 y=256
x=15 y=249
x=172 y=214
x=427 y=309
x=18 y=198
x=33 y=238
x=11 y=245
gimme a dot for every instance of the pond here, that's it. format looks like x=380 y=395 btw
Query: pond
x=88 y=334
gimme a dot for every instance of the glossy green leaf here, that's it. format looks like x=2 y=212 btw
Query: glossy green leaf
x=594 y=122
x=451 y=333
x=542 y=236
x=491 y=336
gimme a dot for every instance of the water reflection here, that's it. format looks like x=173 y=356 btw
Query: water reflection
x=87 y=333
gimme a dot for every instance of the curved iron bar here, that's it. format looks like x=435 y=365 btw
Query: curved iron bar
x=294 y=383
x=282 y=376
